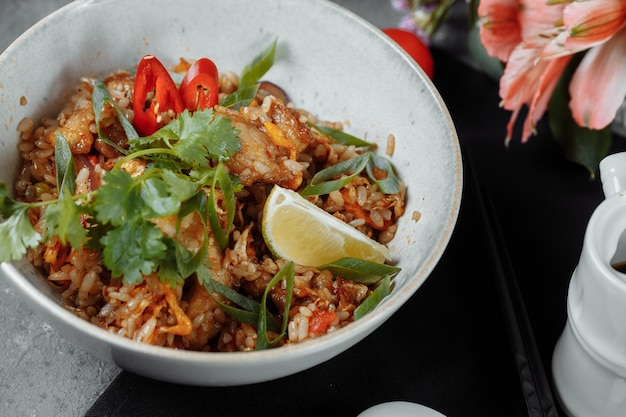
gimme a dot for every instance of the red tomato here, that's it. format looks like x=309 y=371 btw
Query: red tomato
x=415 y=47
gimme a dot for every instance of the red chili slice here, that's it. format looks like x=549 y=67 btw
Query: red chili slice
x=199 y=88
x=152 y=78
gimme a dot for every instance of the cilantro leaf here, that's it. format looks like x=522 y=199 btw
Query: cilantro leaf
x=17 y=234
x=201 y=141
x=158 y=198
x=180 y=185
x=168 y=268
x=118 y=198
x=133 y=249
x=5 y=202
x=197 y=137
x=64 y=220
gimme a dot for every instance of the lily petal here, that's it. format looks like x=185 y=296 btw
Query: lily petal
x=598 y=86
x=592 y=22
x=500 y=30
x=546 y=85
x=538 y=16
x=528 y=80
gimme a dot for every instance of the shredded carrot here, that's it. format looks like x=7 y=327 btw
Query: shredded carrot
x=183 y=323
x=182 y=66
x=358 y=211
x=279 y=138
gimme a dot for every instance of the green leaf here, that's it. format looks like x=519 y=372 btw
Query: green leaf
x=259 y=65
x=180 y=185
x=99 y=98
x=263 y=341
x=241 y=97
x=382 y=290
x=249 y=311
x=342 y=137
x=200 y=137
x=359 y=270
x=388 y=185
x=17 y=234
x=119 y=200
x=222 y=179
x=158 y=199
x=63 y=219
x=133 y=250
x=188 y=262
x=323 y=182
x=167 y=267
x=9 y=206
x=580 y=145
x=65 y=168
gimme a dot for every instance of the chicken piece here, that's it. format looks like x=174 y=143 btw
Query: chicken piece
x=269 y=147
x=207 y=318
x=77 y=132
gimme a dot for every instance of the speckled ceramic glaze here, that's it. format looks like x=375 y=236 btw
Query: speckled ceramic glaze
x=329 y=61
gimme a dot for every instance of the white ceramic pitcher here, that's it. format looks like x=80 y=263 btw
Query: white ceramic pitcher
x=589 y=360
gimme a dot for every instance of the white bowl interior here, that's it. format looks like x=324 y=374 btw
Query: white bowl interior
x=329 y=61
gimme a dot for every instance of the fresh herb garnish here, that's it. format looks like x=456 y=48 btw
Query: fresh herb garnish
x=118 y=219
x=342 y=137
x=100 y=97
x=339 y=175
x=365 y=272
x=252 y=312
x=248 y=80
x=360 y=270
x=380 y=292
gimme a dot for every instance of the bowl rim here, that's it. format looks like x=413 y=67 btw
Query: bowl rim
x=362 y=327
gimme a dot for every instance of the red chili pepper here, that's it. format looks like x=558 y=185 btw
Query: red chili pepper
x=152 y=77
x=199 y=88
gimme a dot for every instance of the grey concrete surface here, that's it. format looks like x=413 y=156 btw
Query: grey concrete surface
x=41 y=374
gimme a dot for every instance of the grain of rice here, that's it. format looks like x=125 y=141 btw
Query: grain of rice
x=342 y=315
x=305 y=311
x=391 y=145
x=361 y=196
x=357 y=222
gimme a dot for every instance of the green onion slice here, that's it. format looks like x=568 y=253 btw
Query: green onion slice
x=389 y=185
x=359 y=270
x=262 y=341
x=259 y=65
x=223 y=179
x=65 y=168
x=341 y=136
x=323 y=182
x=382 y=290
x=101 y=96
x=249 y=311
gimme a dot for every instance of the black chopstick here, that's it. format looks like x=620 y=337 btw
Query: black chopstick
x=534 y=382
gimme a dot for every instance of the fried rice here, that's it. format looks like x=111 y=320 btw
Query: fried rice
x=188 y=317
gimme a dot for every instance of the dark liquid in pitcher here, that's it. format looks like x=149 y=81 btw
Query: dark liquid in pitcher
x=620 y=267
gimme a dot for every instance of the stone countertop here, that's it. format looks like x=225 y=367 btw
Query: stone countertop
x=41 y=374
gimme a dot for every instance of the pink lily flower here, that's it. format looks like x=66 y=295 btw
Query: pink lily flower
x=536 y=40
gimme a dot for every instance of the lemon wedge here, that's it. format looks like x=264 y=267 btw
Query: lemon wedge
x=297 y=230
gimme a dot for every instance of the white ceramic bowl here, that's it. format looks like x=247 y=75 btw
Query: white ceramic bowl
x=329 y=61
